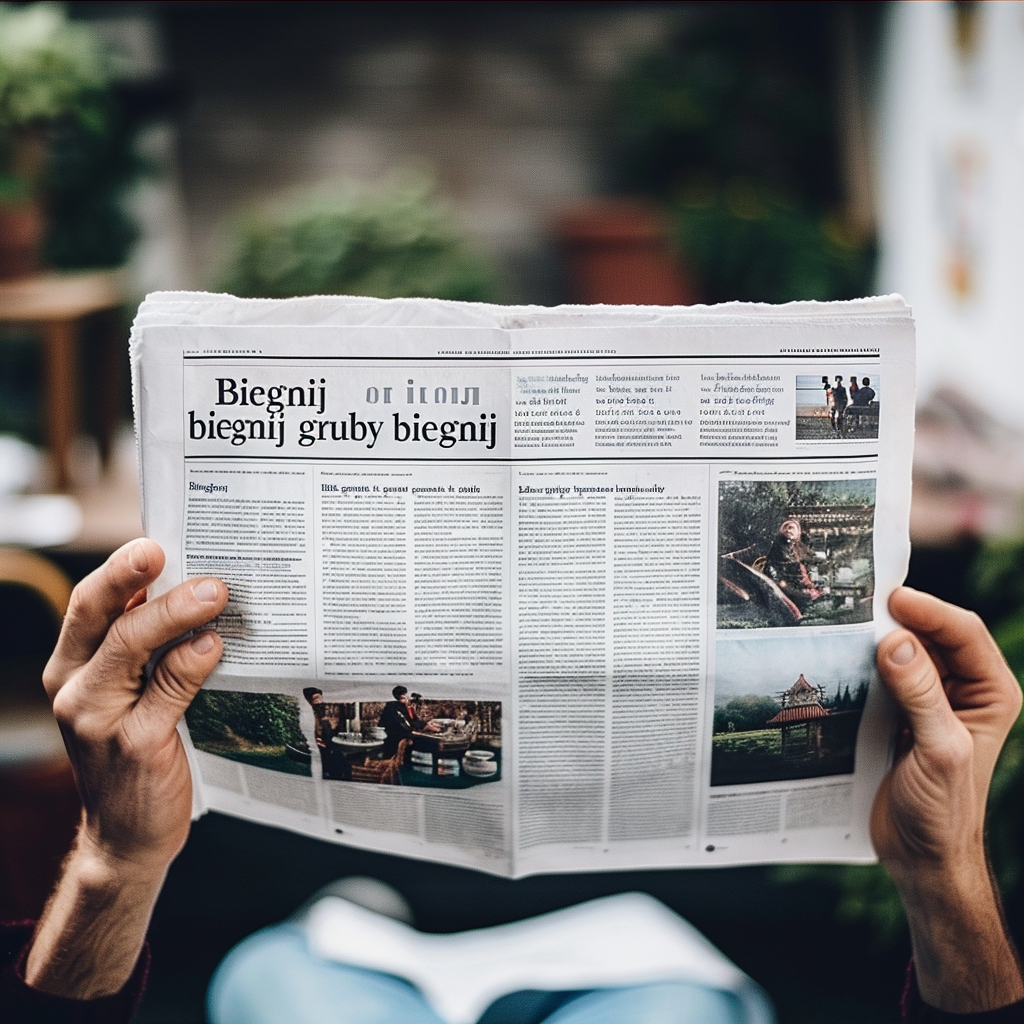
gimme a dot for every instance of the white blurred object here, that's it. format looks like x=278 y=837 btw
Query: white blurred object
x=968 y=472
x=39 y=521
x=19 y=463
x=951 y=168
x=28 y=736
x=628 y=939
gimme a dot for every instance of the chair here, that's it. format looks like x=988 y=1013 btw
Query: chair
x=23 y=568
x=39 y=805
x=387 y=772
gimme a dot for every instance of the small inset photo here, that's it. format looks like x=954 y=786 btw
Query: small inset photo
x=409 y=740
x=837 y=406
x=260 y=729
x=795 y=553
x=789 y=706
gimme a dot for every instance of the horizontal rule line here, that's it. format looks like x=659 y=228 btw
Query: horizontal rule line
x=535 y=458
x=861 y=357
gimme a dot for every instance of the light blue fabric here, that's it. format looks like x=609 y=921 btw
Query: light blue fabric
x=272 y=978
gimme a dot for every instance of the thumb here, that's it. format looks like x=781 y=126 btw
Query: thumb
x=910 y=675
x=178 y=677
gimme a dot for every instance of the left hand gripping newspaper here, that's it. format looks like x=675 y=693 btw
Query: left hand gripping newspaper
x=533 y=589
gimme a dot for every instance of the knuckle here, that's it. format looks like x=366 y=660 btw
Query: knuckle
x=1011 y=700
x=972 y=620
x=175 y=611
x=78 y=604
x=122 y=637
x=175 y=678
x=53 y=678
x=78 y=719
x=921 y=686
x=65 y=708
x=954 y=754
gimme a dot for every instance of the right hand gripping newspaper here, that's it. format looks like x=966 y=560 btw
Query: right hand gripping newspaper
x=533 y=589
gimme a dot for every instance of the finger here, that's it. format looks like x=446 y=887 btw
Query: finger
x=133 y=638
x=909 y=674
x=177 y=679
x=97 y=602
x=977 y=676
x=139 y=598
x=960 y=636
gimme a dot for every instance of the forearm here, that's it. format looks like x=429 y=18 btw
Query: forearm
x=963 y=957
x=92 y=931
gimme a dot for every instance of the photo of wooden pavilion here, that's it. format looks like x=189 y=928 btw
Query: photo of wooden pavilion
x=801 y=719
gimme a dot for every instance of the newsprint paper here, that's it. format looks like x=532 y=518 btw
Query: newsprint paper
x=528 y=589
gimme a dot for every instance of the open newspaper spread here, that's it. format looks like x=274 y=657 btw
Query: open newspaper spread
x=529 y=589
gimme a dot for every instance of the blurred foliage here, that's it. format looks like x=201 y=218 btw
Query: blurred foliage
x=747 y=242
x=745 y=713
x=731 y=125
x=50 y=68
x=998 y=578
x=65 y=136
x=269 y=719
x=866 y=895
x=397 y=240
x=89 y=171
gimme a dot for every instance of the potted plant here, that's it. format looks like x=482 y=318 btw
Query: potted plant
x=51 y=74
x=395 y=240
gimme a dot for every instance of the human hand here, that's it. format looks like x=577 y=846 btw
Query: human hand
x=130 y=766
x=958 y=700
x=120 y=731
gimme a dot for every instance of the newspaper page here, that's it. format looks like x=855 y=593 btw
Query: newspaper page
x=531 y=590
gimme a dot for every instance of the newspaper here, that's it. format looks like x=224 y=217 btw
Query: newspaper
x=533 y=590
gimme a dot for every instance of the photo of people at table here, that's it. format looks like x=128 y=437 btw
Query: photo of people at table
x=795 y=552
x=408 y=740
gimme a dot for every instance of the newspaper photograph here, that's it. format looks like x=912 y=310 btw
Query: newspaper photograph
x=536 y=590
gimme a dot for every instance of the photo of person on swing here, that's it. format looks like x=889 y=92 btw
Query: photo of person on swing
x=795 y=553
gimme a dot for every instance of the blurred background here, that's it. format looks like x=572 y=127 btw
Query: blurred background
x=517 y=152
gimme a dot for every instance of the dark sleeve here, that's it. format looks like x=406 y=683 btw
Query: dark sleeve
x=20 y=1004
x=916 y=1011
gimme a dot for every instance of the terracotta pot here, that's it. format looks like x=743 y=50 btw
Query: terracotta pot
x=22 y=226
x=618 y=252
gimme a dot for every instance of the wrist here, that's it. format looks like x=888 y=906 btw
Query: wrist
x=105 y=862
x=93 y=929
x=941 y=881
x=963 y=957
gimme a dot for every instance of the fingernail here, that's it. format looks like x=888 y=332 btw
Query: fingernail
x=137 y=558
x=904 y=654
x=206 y=591
x=203 y=643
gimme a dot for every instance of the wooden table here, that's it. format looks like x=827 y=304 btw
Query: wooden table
x=55 y=304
